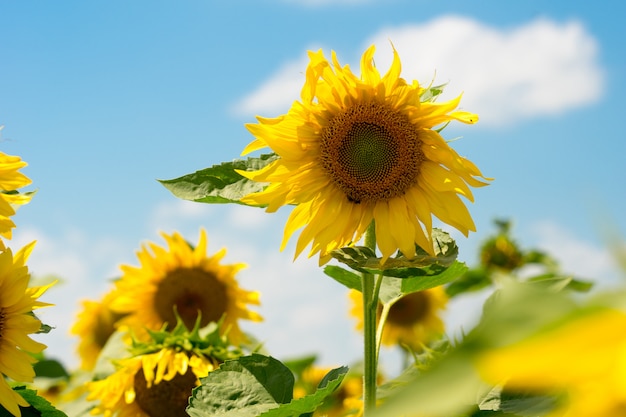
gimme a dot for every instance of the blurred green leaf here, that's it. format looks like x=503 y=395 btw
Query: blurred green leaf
x=472 y=280
x=50 y=368
x=219 y=183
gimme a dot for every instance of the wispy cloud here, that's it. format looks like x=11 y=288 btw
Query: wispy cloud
x=507 y=75
x=578 y=256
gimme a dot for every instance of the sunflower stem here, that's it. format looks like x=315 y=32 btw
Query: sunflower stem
x=369 y=330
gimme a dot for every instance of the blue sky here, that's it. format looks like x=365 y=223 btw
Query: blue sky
x=102 y=98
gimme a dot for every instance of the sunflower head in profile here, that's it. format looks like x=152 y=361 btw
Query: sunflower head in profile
x=182 y=280
x=413 y=321
x=159 y=376
x=10 y=181
x=17 y=301
x=94 y=325
x=361 y=149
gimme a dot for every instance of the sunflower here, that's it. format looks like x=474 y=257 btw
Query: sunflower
x=10 y=180
x=185 y=281
x=583 y=358
x=17 y=301
x=150 y=385
x=413 y=320
x=94 y=325
x=357 y=150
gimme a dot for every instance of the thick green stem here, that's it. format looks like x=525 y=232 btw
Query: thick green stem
x=370 y=304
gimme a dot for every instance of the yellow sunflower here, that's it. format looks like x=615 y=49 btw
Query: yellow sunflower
x=10 y=180
x=183 y=280
x=357 y=150
x=150 y=385
x=17 y=301
x=94 y=325
x=413 y=321
x=583 y=358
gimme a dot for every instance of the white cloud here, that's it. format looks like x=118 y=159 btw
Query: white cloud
x=507 y=75
x=277 y=93
x=577 y=256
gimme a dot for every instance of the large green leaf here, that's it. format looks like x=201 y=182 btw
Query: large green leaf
x=364 y=259
x=219 y=183
x=245 y=387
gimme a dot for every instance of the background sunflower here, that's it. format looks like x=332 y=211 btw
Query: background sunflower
x=182 y=280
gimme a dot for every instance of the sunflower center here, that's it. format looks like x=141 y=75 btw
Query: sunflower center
x=371 y=152
x=2 y=318
x=410 y=309
x=167 y=398
x=190 y=291
x=105 y=326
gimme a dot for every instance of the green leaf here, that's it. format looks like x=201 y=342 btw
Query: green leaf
x=526 y=404
x=392 y=289
x=245 y=387
x=50 y=368
x=342 y=276
x=451 y=273
x=219 y=183
x=558 y=283
x=310 y=403
x=472 y=280
x=363 y=259
x=39 y=406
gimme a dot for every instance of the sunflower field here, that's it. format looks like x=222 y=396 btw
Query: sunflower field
x=364 y=162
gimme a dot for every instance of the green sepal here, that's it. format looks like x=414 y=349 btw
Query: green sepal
x=220 y=183
x=39 y=406
x=204 y=341
x=430 y=93
x=364 y=259
x=245 y=387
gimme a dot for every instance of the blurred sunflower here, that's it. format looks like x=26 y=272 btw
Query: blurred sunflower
x=94 y=325
x=582 y=359
x=150 y=385
x=10 y=180
x=413 y=321
x=357 y=150
x=17 y=301
x=182 y=280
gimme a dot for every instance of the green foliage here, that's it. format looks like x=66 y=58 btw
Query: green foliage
x=244 y=387
x=256 y=385
x=50 y=368
x=364 y=259
x=39 y=406
x=219 y=183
